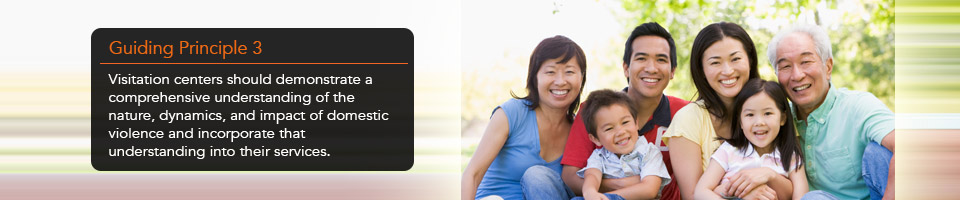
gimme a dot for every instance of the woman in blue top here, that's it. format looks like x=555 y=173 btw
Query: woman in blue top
x=519 y=154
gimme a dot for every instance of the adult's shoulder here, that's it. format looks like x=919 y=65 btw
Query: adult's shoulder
x=845 y=94
x=860 y=101
x=692 y=109
x=676 y=104
x=863 y=109
x=857 y=94
x=687 y=123
x=514 y=103
x=689 y=118
x=516 y=110
x=676 y=100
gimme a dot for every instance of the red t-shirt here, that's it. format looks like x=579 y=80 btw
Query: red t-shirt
x=579 y=146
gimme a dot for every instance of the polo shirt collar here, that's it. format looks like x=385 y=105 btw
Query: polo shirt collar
x=661 y=116
x=820 y=114
x=630 y=156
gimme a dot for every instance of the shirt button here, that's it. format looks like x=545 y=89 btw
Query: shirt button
x=808 y=146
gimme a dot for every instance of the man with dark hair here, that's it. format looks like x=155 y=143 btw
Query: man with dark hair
x=649 y=61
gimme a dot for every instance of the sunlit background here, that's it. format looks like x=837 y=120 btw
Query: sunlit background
x=903 y=52
x=483 y=46
x=496 y=48
x=45 y=100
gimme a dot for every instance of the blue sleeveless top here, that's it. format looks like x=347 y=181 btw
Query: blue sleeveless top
x=519 y=152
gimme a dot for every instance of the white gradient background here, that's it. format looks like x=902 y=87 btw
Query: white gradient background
x=45 y=99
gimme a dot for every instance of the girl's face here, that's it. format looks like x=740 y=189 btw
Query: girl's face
x=761 y=120
x=559 y=83
x=727 y=68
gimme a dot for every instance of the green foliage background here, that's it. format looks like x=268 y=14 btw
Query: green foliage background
x=861 y=33
x=862 y=44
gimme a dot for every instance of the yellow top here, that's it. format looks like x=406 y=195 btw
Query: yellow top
x=693 y=123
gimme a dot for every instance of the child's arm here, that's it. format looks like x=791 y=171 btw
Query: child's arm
x=591 y=184
x=711 y=177
x=799 y=179
x=648 y=188
x=745 y=181
x=575 y=182
x=653 y=172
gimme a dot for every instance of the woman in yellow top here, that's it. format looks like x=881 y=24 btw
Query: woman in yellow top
x=722 y=59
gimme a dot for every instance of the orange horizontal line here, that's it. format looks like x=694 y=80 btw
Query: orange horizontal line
x=254 y=63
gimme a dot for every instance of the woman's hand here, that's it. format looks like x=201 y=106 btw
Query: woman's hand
x=762 y=192
x=722 y=188
x=746 y=180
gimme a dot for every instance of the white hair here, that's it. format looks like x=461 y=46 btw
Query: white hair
x=820 y=39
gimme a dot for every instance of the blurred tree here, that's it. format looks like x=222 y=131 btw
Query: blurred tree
x=861 y=34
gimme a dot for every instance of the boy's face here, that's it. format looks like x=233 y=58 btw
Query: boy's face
x=616 y=129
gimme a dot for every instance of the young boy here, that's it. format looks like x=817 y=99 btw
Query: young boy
x=610 y=121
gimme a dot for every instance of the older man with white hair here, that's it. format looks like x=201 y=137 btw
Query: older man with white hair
x=839 y=128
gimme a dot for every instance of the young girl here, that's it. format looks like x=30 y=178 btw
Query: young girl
x=765 y=138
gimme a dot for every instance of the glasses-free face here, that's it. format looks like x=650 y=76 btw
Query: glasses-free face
x=616 y=129
x=727 y=68
x=761 y=120
x=802 y=72
x=649 y=70
x=558 y=84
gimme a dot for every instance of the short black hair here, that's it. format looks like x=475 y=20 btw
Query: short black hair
x=554 y=47
x=600 y=99
x=650 y=28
